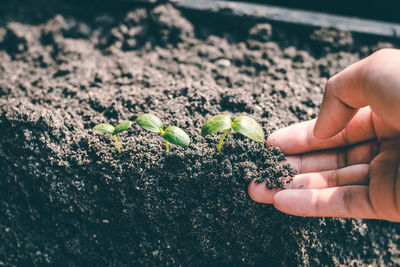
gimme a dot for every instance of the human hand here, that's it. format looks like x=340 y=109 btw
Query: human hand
x=348 y=159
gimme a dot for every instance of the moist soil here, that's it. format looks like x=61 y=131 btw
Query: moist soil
x=67 y=198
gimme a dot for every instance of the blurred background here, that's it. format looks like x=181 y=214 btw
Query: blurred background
x=385 y=10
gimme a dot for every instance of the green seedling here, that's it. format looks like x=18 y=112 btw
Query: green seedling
x=172 y=134
x=108 y=128
x=242 y=124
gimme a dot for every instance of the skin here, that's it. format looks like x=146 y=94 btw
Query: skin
x=348 y=159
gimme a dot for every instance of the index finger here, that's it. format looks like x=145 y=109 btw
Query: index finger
x=299 y=138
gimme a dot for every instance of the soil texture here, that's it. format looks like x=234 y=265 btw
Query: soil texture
x=67 y=199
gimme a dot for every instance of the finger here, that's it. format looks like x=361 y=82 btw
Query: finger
x=345 y=202
x=299 y=138
x=342 y=98
x=374 y=80
x=363 y=127
x=333 y=159
x=353 y=175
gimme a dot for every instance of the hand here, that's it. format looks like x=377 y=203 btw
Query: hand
x=348 y=160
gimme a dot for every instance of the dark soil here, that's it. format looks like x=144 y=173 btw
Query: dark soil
x=67 y=199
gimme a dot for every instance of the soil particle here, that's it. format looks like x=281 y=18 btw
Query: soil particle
x=261 y=32
x=162 y=25
x=68 y=199
x=332 y=40
x=170 y=24
x=15 y=38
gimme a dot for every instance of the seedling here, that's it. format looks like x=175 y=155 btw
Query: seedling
x=172 y=134
x=108 y=128
x=242 y=124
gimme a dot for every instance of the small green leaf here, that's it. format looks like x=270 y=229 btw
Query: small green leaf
x=176 y=136
x=123 y=126
x=150 y=122
x=104 y=127
x=215 y=124
x=249 y=128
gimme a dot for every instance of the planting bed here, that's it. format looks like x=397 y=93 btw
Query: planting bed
x=66 y=198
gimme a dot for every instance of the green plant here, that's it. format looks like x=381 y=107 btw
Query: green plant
x=108 y=128
x=242 y=124
x=172 y=134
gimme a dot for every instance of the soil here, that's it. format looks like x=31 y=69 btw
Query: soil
x=67 y=199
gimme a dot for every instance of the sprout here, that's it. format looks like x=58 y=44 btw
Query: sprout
x=108 y=128
x=172 y=134
x=242 y=124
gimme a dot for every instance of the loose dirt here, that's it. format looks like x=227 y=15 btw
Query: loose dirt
x=68 y=199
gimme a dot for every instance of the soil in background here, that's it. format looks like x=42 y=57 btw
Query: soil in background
x=68 y=199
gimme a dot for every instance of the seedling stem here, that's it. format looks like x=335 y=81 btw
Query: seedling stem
x=222 y=139
x=108 y=128
x=116 y=143
x=166 y=142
